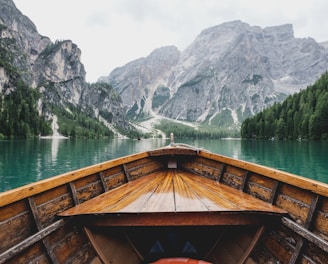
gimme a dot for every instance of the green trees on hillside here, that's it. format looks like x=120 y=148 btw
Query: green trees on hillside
x=302 y=115
x=74 y=123
x=184 y=131
x=19 y=116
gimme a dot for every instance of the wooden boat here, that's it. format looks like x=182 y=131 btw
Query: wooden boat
x=174 y=204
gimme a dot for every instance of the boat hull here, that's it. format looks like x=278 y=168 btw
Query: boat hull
x=33 y=228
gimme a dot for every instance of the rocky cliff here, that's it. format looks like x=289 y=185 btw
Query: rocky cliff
x=54 y=69
x=138 y=80
x=229 y=72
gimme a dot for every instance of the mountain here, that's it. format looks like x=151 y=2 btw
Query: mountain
x=55 y=72
x=228 y=73
x=135 y=82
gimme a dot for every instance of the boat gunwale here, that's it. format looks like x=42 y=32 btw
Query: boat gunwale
x=272 y=173
x=35 y=188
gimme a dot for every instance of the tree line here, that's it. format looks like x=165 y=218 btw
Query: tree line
x=303 y=115
x=202 y=132
x=19 y=116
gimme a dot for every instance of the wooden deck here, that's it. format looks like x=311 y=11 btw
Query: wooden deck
x=169 y=197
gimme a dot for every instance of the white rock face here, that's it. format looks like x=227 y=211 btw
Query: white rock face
x=55 y=69
x=137 y=81
x=230 y=68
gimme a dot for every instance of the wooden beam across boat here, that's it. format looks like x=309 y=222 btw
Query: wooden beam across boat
x=170 y=197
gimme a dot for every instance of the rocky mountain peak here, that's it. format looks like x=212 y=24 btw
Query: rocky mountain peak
x=137 y=81
x=53 y=69
x=229 y=72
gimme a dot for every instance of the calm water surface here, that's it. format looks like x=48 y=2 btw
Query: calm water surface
x=27 y=161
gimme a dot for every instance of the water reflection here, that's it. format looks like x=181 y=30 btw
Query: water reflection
x=306 y=158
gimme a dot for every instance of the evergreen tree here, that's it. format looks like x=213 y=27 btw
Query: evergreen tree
x=304 y=114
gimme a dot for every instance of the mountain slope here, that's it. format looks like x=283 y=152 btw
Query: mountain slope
x=228 y=73
x=56 y=73
x=138 y=80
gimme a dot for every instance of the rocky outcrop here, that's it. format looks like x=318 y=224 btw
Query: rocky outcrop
x=138 y=80
x=54 y=69
x=229 y=72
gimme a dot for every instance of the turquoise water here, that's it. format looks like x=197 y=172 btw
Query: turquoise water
x=26 y=161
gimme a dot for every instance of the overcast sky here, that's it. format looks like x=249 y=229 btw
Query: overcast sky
x=111 y=33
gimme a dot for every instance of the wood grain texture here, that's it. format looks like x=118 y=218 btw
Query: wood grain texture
x=172 y=191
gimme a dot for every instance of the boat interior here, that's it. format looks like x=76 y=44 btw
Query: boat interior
x=173 y=213
x=147 y=244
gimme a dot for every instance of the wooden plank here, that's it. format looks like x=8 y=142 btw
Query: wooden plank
x=259 y=191
x=40 y=227
x=113 y=247
x=69 y=246
x=50 y=183
x=300 y=244
x=276 y=247
x=18 y=248
x=297 y=194
x=252 y=245
x=50 y=195
x=48 y=211
x=21 y=225
x=295 y=208
x=233 y=177
x=118 y=199
x=74 y=193
x=245 y=180
x=144 y=169
x=32 y=254
x=313 y=254
x=312 y=211
x=84 y=254
x=319 y=222
x=95 y=245
x=175 y=219
x=213 y=196
x=126 y=174
x=145 y=162
x=115 y=180
x=173 y=151
x=201 y=166
x=292 y=179
x=223 y=170
x=319 y=242
x=235 y=199
x=262 y=181
x=157 y=193
x=162 y=199
x=102 y=180
x=89 y=191
x=34 y=212
x=274 y=192
x=297 y=252
x=186 y=199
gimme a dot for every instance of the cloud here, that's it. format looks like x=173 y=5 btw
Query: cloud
x=111 y=33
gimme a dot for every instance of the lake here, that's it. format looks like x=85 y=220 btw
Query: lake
x=26 y=161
